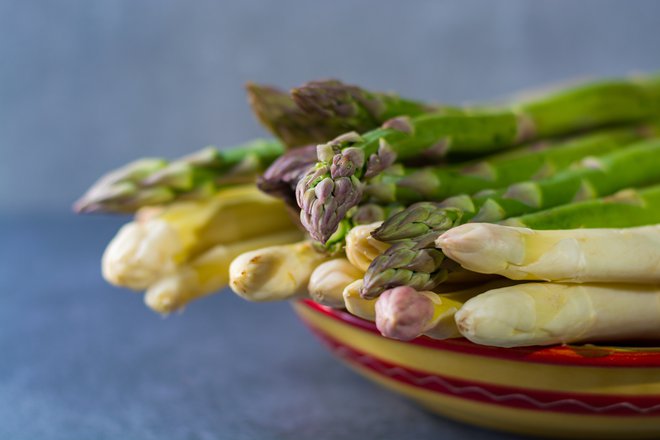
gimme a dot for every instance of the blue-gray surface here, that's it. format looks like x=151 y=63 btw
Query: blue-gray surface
x=88 y=85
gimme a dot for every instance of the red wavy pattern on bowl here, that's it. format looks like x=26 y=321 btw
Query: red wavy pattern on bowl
x=592 y=356
x=565 y=402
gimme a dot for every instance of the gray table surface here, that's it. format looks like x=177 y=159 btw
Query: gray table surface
x=82 y=360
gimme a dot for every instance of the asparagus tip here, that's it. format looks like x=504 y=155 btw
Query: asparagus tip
x=402 y=313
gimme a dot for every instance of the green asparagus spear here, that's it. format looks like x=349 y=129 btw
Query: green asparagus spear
x=335 y=183
x=277 y=112
x=321 y=110
x=353 y=108
x=413 y=260
x=148 y=182
x=539 y=160
x=627 y=208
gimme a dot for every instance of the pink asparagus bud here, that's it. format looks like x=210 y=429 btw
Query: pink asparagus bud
x=403 y=313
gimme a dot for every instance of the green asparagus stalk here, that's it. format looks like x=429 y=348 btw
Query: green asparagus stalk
x=350 y=107
x=335 y=183
x=278 y=113
x=321 y=110
x=539 y=160
x=413 y=260
x=148 y=182
x=626 y=209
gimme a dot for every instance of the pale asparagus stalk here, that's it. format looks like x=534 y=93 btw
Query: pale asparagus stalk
x=146 y=250
x=356 y=305
x=361 y=247
x=404 y=313
x=207 y=273
x=628 y=255
x=274 y=273
x=551 y=313
x=329 y=280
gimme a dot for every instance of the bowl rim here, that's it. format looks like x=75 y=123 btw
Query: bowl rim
x=576 y=355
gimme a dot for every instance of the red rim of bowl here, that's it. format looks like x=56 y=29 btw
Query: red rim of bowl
x=578 y=355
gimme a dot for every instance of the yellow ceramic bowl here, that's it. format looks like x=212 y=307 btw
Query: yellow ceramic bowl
x=561 y=391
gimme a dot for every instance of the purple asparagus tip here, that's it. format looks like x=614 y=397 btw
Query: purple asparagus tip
x=403 y=313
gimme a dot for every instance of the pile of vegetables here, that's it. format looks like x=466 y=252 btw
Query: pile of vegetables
x=533 y=222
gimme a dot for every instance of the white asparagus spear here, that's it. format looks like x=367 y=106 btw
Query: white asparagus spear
x=629 y=255
x=274 y=273
x=361 y=247
x=356 y=305
x=207 y=273
x=551 y=313
x=160 y=240
x=329 y=280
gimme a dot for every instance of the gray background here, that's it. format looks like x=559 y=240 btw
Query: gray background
x=88 y=85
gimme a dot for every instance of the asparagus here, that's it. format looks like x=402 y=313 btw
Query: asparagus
x=157 y=244
x=329 y=280
x=281 y=177
x=207 y=273
x=277 y=111
x=536 y=161
x=365 y=308
x=548 y=313
x=148 y=182
x=321 y=110
x=567 y=255
x=350 y=107
x=335 y=183
x=404 y=313
x=627 y=208
x=414 y=261
x=361 y=247
x=274 y=273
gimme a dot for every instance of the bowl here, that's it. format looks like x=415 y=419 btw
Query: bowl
x=560 y=391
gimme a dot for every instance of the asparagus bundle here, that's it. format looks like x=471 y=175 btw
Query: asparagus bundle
x=191 y=248
x=569 y=255
x=550 y=313
x=145 y=250
x=414 y=261
x=334 y=184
